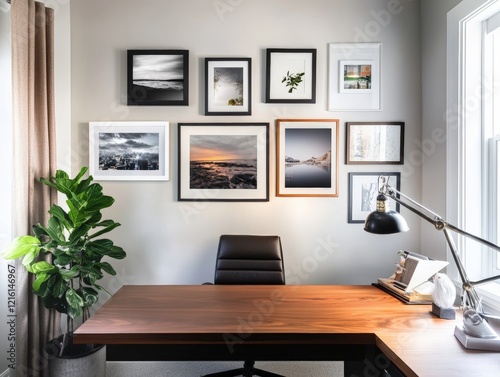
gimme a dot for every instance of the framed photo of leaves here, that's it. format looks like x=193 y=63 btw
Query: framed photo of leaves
x=290 y=75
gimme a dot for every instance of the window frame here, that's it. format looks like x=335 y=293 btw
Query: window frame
x=466 y=192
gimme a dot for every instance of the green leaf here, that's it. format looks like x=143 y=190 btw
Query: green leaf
x=116 y=252
x=21 y=246
x=107 y=267
x=67 y=275
x=41 y=278
x=63 y=260
x=109 y=226
x=29 y=258
x=61 y=215
x=101 y=246
x=74 y=299
x=42 y=266
x=59 y=287
x=90 y=296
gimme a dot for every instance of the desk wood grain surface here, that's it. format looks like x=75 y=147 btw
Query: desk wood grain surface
x=418 y=343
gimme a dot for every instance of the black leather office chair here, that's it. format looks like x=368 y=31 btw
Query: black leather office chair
x=249 y=259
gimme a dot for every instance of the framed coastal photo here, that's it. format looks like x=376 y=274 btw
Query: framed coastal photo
x=290 y=75
x=129 y=151
x=223 y=162
x=158 y=77
x=228 y=86
x=307 y=157
x=375 y=143
x=363 y=192
x=354 y=80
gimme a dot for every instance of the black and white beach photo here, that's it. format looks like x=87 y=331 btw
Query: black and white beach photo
x=157 y=77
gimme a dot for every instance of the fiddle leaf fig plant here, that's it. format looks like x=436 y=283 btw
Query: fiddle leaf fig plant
x=68 y=280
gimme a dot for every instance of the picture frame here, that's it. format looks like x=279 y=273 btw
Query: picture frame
x=290 y=75
x=354 y=81
x=228 y=86
x=307 y=157
x=375 y=143
x=223 y=162
x=157 y=77
x=363 y=192
x=129 y=151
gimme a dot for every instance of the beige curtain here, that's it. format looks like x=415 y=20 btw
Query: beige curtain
x=34 y=157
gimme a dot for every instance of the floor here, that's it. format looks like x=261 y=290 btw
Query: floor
x=196 y=369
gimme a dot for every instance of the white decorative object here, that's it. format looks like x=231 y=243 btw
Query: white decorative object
x=444 y=291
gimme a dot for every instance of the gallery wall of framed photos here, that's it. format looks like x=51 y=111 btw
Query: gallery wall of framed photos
x=236 y=84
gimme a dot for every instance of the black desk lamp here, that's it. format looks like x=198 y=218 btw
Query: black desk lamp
x=476 y=332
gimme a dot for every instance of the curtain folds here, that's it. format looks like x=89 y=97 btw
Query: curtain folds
x=32 y=27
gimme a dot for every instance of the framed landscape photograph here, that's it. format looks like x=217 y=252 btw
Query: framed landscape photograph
x=363 y=192
x=375 y=143
x=223 y=162
x=290 y=75
x=354 y=81
x=158 y=77
x=228 y=86
x=129 y=151
x=307 y=157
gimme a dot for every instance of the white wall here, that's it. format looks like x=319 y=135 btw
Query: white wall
x=171 y=242
x=433 y=149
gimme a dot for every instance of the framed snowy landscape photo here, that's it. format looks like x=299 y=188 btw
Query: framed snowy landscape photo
x=129 y=151
x=158 y=77
x=228 y=86
x=375 y=143
x=223 y=162
x=307 y=153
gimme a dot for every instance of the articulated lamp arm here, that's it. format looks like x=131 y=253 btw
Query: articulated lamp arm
x=476 y=332
x=440 y=224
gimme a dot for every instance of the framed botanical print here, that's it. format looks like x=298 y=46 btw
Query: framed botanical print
x=158 y=77
x=228 y=83
x=223 y=162
x=290 y=75
x=307 y=157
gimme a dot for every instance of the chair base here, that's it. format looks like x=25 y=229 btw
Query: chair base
x=247 y=371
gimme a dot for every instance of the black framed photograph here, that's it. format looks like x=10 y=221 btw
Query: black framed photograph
x=129 y=151
x=223 y=162
x=363 y=192
x=307 y=157
x=158 y=77
x=375 y=143
x=228 y=86
x=290 y=75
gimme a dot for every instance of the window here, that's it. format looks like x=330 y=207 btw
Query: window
x=473 y=145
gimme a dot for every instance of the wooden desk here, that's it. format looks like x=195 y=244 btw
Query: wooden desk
x=360 y=324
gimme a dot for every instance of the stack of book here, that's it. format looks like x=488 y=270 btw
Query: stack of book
x=419 y=295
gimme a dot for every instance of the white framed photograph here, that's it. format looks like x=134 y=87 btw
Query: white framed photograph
x=129 y=151
x=223 y=162
x=354 y=80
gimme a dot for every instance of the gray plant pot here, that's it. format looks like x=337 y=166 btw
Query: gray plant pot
x=83 y=360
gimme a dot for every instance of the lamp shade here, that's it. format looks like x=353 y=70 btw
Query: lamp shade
x=385 y=221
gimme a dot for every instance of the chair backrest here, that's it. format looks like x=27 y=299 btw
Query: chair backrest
x=249 y=259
